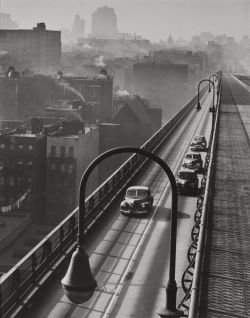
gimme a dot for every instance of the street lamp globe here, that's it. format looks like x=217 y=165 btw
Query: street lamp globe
x=78 y=283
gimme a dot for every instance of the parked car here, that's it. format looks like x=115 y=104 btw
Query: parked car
x=138 y=201
x=193 y=160
x=198 y=143
x=187 y=181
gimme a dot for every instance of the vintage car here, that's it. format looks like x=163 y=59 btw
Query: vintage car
x=138 y=201
x=198 y=143
x=193 y=160
x=187 y=181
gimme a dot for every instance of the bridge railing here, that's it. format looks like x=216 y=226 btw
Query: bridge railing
x=192 y=278
x=20 y=284
x=195 y=291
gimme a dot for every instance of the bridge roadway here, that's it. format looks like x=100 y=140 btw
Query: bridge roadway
x=226 y=278
x=129 y=257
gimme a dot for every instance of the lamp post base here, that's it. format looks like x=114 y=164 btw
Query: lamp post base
x=198 y=106
x=166 y=313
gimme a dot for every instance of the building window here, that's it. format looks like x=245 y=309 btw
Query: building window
x=53 y=151
x=94 y=91
x=70 y=168
x=20 y=162
x=62 y=167
x=62 y=151
x=71 y=152
x=21 y=181
x=12 y=181
x=53 y=166
x=2 y=146
x=30 y=147
x=29 y=163
x=30 y=180
x=11 y=200
x=79 y=88
x=12 y=147
x=1 y=180
x=20 y=146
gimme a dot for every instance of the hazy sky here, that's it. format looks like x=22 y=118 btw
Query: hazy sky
x=153 y=19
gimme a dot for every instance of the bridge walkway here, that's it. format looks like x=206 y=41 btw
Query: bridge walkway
x=226 y=278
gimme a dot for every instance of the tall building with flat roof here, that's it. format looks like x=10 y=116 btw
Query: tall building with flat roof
x=104 y=22
x=68 y=155
x=6 y=22
x=38 y=49
x=23 y=173
x=78 y=28
x=163 y=84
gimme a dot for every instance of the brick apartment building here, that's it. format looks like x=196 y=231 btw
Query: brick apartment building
x=27 y=95
x=70 y=150
x=97 y=91
x=38 y=49
x=32 y=95
x=23 y=166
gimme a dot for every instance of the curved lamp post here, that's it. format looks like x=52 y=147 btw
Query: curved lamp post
x=218 y=87
x=198 y=107
x=78 y=282
x=212 y=76
x=218 y=76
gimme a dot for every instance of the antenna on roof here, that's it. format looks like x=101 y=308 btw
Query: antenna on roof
x=0 y=15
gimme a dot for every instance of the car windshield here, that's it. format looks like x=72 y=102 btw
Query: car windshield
x=196 y=156
x=192 y=156
x=198 y=138
x=186 y=175
x=133 y=193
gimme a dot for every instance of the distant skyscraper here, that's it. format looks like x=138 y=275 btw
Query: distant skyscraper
x=170 y=41
x=78 y=29
x=6 y=22
x=104 y=22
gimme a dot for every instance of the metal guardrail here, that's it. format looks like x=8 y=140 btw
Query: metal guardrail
x=191 y=278
x=20 y=284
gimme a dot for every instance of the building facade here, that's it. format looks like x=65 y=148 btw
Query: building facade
x=133 y=123
x=38 y=49
x=68 y=155
x=97 y=91
x=163 y=84
x=26 y=95
x=22 y=173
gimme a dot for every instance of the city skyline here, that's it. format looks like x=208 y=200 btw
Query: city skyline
x=180 y=18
